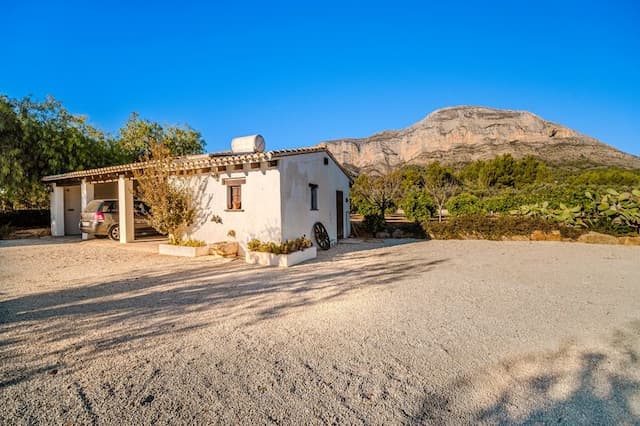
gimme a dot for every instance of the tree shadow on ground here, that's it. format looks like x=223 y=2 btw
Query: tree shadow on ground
x=588 y=384
x=126 y=313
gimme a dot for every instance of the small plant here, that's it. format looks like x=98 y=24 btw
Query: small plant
x=253 y=245
x=216 y=218
x=286 y=247
x=189 y=243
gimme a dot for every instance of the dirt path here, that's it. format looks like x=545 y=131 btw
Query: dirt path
x=423 y=332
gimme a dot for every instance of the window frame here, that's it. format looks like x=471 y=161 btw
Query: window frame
x=313 y=190
x=233 y=185
x=230 y=197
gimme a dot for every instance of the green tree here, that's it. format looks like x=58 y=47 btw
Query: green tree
x=418 y=205
x=13 y=153
x=464 y=203
x=441 y=184
x=138 y=135
x=40 y=138
x=43 y=138
x=504 y=172
x=376 y=194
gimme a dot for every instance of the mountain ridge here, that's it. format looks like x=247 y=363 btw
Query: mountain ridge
x=465 y=133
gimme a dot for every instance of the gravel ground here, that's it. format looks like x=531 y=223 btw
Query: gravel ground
x=420 y=332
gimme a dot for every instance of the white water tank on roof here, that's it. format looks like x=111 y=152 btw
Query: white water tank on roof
x=243 y=144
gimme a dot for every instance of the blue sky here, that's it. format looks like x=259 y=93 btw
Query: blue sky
x=303 y=72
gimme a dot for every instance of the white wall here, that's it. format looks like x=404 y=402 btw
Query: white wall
x=297 y=172
x=260 y=217
x=86 y=195
x=57 y=210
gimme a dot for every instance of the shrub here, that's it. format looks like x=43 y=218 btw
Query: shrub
x=621 y=209
x=418 y=206
x=6 y=229
x=373 y=223
x=464 y=204
x=483 y=227
x=171 y=203
x=26 y=218
x=611 y=212
x=501 y=204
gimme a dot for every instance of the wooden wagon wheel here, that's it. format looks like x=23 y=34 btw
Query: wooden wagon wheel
x=322 y=237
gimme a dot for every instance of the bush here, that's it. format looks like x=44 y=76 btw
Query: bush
x=464 y=204
x=610 y=212
x=171 y=201
x=26 y=218
x=373 y=223
x=479 y=226
x=418 y=206
x=6 y=229
x=501 y=204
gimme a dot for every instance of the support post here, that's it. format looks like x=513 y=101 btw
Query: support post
x=86 y=195
x=125 y=209
x=57 y=210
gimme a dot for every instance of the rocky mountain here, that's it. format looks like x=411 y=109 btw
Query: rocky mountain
x=464 y=133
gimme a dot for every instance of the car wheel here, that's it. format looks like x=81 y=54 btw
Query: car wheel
x=114 y=233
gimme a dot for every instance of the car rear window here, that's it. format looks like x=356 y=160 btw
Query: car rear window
x=93 y=206
x=110 y=206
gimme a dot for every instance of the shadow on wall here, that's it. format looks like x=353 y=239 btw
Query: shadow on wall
x=128 y=311
x=595 y=384
x=202 y=200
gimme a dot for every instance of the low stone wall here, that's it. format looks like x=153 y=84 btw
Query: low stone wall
x=589 y=238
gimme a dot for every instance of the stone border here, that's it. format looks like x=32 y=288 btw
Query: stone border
x=183 y=251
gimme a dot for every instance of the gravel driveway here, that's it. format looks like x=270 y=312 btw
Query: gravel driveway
x=420 y=332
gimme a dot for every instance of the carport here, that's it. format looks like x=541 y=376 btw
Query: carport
x=71 y=192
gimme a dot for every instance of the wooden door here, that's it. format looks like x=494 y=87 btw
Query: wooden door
x=72 y=210
x=340 y=214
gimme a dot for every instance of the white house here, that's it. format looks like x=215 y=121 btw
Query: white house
x=268 y=195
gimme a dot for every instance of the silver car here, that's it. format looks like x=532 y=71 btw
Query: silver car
x=101 y=217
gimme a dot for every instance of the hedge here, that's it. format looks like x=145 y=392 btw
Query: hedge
x=481 y=226
x=26 y=218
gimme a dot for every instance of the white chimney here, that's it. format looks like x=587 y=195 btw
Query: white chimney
x=245 y=144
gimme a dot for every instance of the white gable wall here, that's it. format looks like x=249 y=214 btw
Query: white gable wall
x=260 y=216
x=297 y=172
